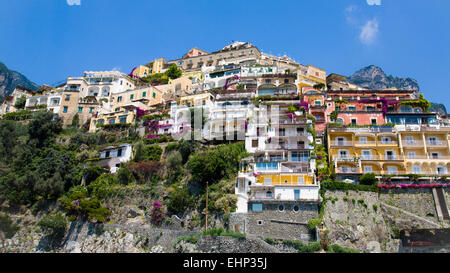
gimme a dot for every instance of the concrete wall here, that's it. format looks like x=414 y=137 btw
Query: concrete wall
x=276 y=224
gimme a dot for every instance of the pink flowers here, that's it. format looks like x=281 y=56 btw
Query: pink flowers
x=151 y=136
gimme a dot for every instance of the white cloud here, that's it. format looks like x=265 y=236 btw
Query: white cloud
x=369 y=32
x=74 y=2
x=374 y=2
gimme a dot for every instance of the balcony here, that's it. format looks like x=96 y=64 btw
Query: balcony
x=366 y=143
x=437 y=143
x=413 y=143
x=342 y=143
x=388 y=143
x=348 y=171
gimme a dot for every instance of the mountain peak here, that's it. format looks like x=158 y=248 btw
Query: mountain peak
x=373 y=77
x=10 y=79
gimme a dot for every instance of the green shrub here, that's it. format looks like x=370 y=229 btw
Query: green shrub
x=335 y=185
x=339 y=249
x=368 y=179
x=54 y=226
x=188 y=238
x=125 y=176
x=270 y=241
x=313 y=223
x=101 y=187
x=214 y=232
x=375 y=207
x=303 y=248
x=7 y=226
x=179 y=200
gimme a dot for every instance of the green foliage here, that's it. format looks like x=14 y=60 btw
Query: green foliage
x=101 y=187
x=43 y=126
x=421 y=102
x=339 y=249
x=154 y=117
x=125 y=176
x=213 y=165
x=7 y=226
x=303 y=248
x=270 y=241
x=186 y=148
x=20 y=102
x=114 y=126
x=188 y=238
x=18 y=116
x=76 y=121
x=334 y=115
x=146 y=153
x=76 y=204
x=368 y=179
x=91 y=173
x=375 y=207
x=179 y=200
x=313 y=223
x=214 y=232
x=54 y=226
x=173 y=72
x=319 y=86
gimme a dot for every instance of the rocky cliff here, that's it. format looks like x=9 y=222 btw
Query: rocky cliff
x=373 y=77
x=10 y=79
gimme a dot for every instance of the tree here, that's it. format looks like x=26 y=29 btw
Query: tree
x=76 y=121
x=20 y=102
x=43 y=126
x=8 y=137
x=319 y=86
x=54 y=226
x=174 y=72
x=368 y=179
x=334 y=115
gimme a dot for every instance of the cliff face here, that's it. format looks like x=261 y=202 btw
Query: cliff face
x=373 y=77
x=10 y=79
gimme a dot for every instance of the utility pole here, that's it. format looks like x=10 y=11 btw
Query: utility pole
x=206 y=209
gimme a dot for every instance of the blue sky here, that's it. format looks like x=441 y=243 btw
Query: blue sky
x=48 y=40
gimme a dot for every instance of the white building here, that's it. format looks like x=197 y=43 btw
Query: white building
x=113 y=156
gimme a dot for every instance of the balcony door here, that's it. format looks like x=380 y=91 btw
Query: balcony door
x=366 y=155
x=296 y=194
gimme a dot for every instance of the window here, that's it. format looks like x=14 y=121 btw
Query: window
x=343 y=154
x=296 y=208
x=409 y=140
x=131 y=96
x=268 y=81
x=80 y=109
x=286 y=80
x=119 y=152
x=67 y=97
x=91 y=109
x=260 y=222
x=117 y=109
x=353 y=121
x=434 y=155
x=108 y=154
x=416 y=169
x=392 y=170
x=374 y=121
x=351 y=108
x=366 y=155
x=257 y=207
x=144 y=94
x=119 y=99
x=411 y=155
x=154 y=95
x=269 y=194
x=386 y=140
x=123 y=119
x=363 y=140
x=318 y=103
x=301 y=180
x=390 y=155
x=368 y=169
x=267 y=181
x=432 y=140
x=441 y=170
x=65 y=109
x=281 y=207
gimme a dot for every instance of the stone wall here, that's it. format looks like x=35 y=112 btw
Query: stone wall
x=357 y=224
x=273 y=223
x=416 y=201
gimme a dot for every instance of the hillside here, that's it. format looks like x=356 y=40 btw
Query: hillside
x=10 y=79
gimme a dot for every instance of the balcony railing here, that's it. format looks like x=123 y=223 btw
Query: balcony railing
x=366 y=143
x=413 y=143
x=388 y=142
x=436 y=143
x=348 y=170
x=341 y=143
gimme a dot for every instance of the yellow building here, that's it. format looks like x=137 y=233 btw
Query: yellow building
x=157 y=65
x=141 y=71
x=388 y=151
x=308 y=76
